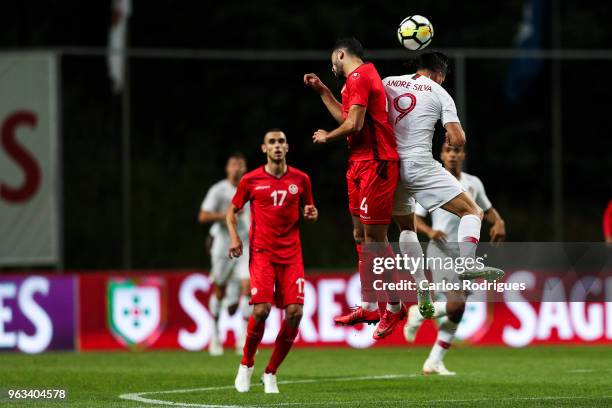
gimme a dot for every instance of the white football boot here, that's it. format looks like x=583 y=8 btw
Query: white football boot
x=487 y=273
x=413 y=323
x=436 y=367
x=215 y=348
x=269 y=383
x=243 y=378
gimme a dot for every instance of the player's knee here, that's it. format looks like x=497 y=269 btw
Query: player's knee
x=261 y=311
x=293 y=314
x=455 y=310
x=474 y=209
x=232 y=309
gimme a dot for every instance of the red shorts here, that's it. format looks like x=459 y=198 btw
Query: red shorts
x=278 y=283
x=371 y=186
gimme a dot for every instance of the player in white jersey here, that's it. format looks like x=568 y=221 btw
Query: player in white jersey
x=230 y=276
x=416 y=102
x=445 y=227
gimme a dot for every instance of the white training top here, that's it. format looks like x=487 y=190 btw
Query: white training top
x=218 y=199
x=416 y=103
x=447 y=222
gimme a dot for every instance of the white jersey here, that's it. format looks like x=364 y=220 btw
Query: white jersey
x=218 y=199
x=447 y=222
x=416 y=103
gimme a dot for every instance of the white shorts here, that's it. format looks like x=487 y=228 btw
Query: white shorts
x=224 y=269
x=427 y=182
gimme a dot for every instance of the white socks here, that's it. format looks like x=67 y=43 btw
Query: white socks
x=394 y=308
x=370 y=306
x=439 y=311
x=214 y=306
x=446 y=334
x=468 y=235
x=410 y=246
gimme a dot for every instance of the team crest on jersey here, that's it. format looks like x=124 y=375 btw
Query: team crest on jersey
x=356 y=75
x=293 y=189
x=136 y=310
x=253 y=291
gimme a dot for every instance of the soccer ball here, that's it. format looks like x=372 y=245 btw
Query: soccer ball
x=415 y=32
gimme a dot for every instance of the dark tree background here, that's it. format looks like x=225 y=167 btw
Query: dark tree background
x=188 y=115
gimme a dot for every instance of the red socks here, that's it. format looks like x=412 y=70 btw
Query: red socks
x=283 y=344
x=255 y=332
x=284 y=341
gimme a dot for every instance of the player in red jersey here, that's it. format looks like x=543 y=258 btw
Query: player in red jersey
x=278 y=194
x=373 y=166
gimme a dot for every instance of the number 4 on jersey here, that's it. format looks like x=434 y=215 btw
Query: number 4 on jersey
x=364 y=206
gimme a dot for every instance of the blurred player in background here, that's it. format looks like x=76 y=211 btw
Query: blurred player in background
x=372 y=169
x=607 y=223
x=445 y=227
x=278 y=195
x=416 y=102
x=230 y=276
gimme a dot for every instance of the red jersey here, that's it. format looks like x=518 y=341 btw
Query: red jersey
x=275 y=211
x=376 y=139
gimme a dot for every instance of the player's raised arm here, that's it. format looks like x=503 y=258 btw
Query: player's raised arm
x=455 y=136
x=353 y=123
x=235 y=249
x=331 y=103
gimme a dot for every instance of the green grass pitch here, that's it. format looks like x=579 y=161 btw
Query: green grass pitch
x=385 y=377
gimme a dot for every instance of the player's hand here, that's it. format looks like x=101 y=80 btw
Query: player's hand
x=313 y=81
x=320 y=136
x=311 y=213
x=437 y=235
x=235 y=249
x=498 y=232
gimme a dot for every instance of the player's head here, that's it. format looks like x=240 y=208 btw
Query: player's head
x=452 y=157
x=236 y=166
x=345 y=49
x=275 y=145
x=435 y=63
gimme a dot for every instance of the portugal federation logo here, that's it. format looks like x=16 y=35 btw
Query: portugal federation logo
x=136 y=310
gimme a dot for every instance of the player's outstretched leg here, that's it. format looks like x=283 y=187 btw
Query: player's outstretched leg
x=284 y=341
x=468 y=235
x=447 y=326
x=255 y=332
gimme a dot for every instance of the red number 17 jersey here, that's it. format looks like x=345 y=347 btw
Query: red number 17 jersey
x=275 y=211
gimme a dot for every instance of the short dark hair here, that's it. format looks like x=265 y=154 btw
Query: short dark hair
x=273 y=130
x=238 y=156
x=434 y=61
x=350 y=44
